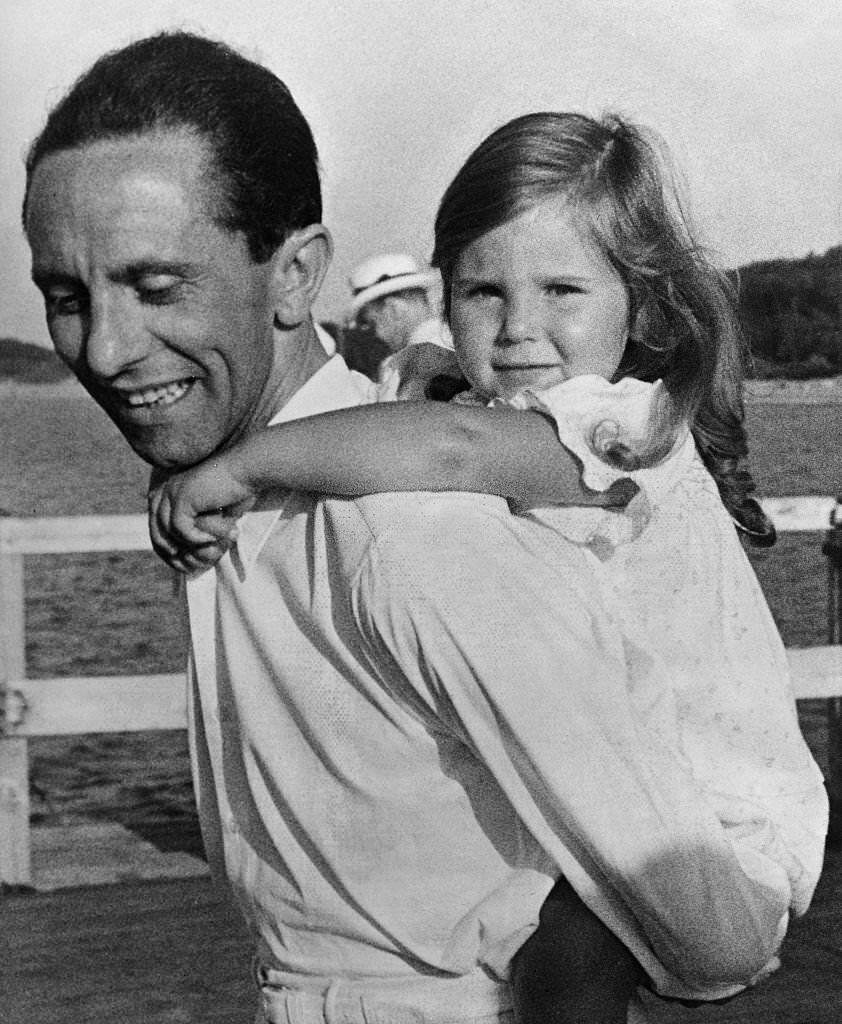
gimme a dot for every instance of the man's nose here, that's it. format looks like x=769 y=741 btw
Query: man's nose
x=115 y=339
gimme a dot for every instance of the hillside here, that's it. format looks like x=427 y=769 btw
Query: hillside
x=30 y=364
x=792 y=314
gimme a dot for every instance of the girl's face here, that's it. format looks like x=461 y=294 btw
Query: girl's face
x=534 y=302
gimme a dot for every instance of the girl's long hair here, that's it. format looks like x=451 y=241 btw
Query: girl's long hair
x=683 y=322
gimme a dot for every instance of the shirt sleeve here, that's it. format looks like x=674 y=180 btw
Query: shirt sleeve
x=472 y=614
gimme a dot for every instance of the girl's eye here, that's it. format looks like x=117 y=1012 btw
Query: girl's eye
x=562 y=289
x=473 y=291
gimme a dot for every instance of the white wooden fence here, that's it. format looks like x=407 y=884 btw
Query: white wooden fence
x=50 y=707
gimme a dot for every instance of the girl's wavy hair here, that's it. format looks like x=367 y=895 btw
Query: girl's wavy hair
x=618 y=178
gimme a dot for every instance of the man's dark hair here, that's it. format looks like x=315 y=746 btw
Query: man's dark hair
x=266 y=161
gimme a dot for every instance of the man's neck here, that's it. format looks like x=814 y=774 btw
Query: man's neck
x=298 y=355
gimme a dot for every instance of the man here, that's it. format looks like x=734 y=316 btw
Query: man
x=391 y=302
x=381 y=693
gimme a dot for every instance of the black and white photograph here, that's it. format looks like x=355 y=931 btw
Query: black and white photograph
x=421 y=512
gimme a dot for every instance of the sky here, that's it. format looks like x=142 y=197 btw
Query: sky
x=398 y=92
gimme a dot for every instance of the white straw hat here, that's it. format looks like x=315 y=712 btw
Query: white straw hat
x=385 y=275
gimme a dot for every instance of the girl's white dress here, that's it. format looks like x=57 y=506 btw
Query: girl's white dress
x=708 y=670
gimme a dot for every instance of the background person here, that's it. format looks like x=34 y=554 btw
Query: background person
x=392 y=302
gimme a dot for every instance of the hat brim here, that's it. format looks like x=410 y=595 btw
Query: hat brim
x=402 y=283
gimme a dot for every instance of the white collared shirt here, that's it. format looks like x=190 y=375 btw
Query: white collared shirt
x=406 y=722
x=322 y=798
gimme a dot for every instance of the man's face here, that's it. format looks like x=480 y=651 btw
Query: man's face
x=383 y=318
x=162 y=314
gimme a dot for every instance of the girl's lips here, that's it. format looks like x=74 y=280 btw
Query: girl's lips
x=524 y=367
x=539 y=371
x=512 y=378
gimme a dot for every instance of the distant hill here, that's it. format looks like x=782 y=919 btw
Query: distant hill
x=30 y=364
x=792 y=314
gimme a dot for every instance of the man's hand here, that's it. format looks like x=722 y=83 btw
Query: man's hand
x=193 y=515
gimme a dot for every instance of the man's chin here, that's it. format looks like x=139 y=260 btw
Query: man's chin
x=167 y=454
x=166 y=445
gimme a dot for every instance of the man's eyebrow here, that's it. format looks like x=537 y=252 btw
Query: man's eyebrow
x=131 y=273
x=48 y=278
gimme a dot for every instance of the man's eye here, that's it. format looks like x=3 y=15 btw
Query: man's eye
x=159 y=292
x=65 y=303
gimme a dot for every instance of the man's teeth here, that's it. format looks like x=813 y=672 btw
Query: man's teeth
x=158 y=396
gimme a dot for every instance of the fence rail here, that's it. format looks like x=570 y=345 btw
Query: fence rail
x=68 y=705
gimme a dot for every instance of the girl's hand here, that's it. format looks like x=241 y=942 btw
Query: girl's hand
x=193 y=515
x=422 y=363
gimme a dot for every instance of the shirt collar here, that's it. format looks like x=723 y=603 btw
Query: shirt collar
x=332 y=386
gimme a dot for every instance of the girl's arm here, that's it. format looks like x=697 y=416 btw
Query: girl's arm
x=414 y=446
x=394 y=446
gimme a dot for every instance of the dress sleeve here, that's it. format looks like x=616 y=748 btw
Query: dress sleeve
x=494 y=629
x=615 y=431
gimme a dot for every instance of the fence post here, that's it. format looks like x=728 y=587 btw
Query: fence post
x=14 y=753
x=832 y=548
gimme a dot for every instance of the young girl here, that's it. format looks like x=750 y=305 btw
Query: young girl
x=573 y=287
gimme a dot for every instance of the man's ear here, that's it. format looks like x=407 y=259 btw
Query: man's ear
x=300 y=267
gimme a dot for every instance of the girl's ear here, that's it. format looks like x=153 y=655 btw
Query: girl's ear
x=300 y=267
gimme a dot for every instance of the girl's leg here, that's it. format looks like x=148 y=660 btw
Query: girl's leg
x=572 y=969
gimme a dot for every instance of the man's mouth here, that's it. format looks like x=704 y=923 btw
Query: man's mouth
x=157 y=396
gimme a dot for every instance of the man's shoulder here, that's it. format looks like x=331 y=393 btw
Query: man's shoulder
x=405 y=560
x=414 y=524
x=426 y=536
x=398 y=514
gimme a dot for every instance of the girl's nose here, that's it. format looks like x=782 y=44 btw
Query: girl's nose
x=519 y=324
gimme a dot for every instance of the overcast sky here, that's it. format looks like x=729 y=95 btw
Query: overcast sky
x=746 y=93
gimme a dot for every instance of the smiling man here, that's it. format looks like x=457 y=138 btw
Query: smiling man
x=162 y=304
x=161 y=312
x=389 y=815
